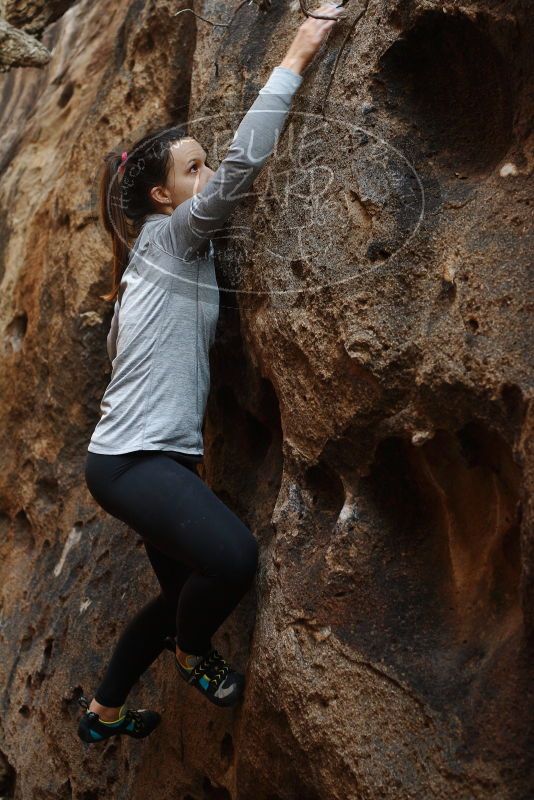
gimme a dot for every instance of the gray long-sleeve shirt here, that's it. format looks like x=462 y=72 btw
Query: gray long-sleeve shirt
x=165 y=317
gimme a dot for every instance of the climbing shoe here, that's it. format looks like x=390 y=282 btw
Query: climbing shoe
x=138 y=724
x=213 y=677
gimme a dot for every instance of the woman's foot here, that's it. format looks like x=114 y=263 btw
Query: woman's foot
x=138 y=724
x=212 y=676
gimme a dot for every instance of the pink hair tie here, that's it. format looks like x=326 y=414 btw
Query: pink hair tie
x=124 y=156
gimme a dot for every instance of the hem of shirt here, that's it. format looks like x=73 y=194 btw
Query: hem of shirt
x=133 y=449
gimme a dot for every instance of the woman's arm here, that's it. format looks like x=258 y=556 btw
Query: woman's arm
x=195 y=221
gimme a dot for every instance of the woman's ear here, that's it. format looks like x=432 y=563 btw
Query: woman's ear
x=160 y=195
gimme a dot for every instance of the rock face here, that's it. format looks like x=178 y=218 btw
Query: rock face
x=18 y=47
x=369 y=418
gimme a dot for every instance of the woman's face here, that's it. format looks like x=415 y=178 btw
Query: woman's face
x=188 y=174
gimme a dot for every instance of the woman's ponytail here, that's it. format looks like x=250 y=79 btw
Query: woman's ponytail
x=114 y=219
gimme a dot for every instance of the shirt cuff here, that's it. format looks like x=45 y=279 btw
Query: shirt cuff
x=282 y=80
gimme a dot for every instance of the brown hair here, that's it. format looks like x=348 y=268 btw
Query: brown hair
x=124 y=198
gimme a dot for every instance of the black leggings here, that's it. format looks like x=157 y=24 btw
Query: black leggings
x=204 y=557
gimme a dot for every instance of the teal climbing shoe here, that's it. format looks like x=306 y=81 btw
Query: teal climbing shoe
x=213 y=677
x=138 y=724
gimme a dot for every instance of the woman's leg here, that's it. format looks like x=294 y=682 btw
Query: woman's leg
x=188 y=529
x=140 y=643
x=219 y=549
x=143 y=638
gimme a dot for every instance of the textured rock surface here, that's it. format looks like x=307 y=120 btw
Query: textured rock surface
x=18 y=21
x=33 y=16
x=369 y=415
x=18 y=49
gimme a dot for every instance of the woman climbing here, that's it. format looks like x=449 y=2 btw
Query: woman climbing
x=142 y=456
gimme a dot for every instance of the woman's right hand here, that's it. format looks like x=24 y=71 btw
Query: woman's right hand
x=310 y=37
